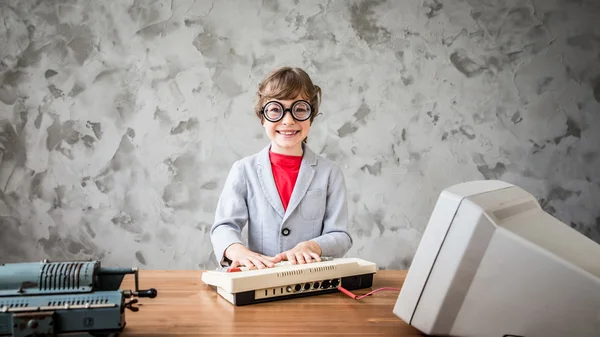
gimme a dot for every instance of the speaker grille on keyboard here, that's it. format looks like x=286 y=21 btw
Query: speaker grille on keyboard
x=303 y=271
x=322 y=268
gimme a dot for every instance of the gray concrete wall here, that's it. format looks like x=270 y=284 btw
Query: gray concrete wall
x=120 y=119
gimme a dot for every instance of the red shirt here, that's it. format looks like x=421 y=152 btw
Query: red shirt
x=285 y=171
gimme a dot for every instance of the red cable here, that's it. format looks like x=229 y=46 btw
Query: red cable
x=347 y=292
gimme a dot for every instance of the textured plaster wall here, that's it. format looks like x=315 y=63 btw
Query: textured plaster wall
x=119 y=120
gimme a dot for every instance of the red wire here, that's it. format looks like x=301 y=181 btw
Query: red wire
x=347 y=292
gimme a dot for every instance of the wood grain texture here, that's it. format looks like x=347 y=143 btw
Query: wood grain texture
x=185 y=306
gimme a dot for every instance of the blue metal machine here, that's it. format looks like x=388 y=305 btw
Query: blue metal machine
x=75 y=298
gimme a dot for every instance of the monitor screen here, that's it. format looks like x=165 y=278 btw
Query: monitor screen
x=492 y=262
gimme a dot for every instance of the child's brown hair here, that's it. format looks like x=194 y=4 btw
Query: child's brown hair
x=287 y=83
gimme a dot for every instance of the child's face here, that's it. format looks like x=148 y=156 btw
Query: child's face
x=287 y=134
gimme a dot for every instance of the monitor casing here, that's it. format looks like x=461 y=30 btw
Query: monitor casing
x=492 y=262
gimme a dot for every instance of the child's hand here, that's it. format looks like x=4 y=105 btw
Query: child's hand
x=244 y=257
x=304 y=252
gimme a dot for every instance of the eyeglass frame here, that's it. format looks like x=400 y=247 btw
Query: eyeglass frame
x=290 y=109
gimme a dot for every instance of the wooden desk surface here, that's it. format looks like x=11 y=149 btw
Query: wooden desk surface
x=185 y=306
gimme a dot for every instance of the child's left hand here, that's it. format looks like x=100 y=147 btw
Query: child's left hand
x=304 y=252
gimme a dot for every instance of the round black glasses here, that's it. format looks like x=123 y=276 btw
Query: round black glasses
x=274 y=111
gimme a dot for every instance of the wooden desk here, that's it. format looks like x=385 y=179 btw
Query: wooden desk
x=185 y=306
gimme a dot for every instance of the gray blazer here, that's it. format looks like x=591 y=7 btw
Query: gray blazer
x=317 y=210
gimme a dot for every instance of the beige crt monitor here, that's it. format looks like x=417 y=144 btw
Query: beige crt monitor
x=492 y=263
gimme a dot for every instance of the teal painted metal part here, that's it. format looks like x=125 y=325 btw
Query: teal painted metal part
x=46 y=277
x=76 y=297
x=72 y=313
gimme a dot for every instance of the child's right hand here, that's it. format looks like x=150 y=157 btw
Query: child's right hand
x=241 y=256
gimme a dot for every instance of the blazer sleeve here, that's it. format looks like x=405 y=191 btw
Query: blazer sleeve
x=335 y=240
x=231 y=214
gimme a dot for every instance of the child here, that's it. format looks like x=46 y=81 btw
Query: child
x=293 y=200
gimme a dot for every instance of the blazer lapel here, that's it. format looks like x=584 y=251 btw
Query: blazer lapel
x=305 y=176
x=267 y=182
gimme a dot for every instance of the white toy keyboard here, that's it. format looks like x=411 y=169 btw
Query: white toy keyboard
x=284 y=281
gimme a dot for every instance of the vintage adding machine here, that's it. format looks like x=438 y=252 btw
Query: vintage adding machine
x=78 y=298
